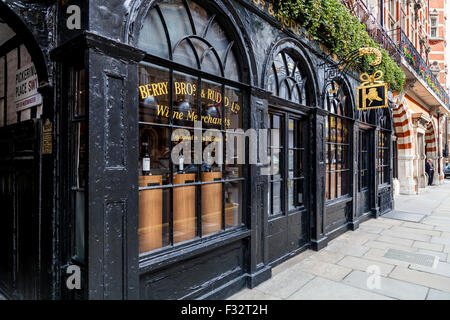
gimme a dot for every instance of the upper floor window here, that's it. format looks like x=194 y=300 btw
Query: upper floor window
x=433 y=28
x=288 y=80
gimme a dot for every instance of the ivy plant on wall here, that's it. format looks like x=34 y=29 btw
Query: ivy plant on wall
x=329 y=22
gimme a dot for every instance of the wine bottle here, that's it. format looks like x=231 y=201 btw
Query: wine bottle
x=145 y=160
x=181 y=164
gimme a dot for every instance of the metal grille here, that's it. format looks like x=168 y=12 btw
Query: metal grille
x=415 y=258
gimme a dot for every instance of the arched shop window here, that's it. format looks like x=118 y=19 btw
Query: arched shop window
x=190 y=74
x=384 y=140
x=287 y=79
x=337 y=154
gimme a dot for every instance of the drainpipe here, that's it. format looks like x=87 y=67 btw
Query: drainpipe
x=439 y=144
x=382 y=13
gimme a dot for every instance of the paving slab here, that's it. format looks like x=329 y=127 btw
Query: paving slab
x=428 y=246
x=324 y=289
x=442 y=228
x=252 y=294
x=386 y=245
x=347 y=248
x=388 y=287
x=422 y=278
x=416 y=231
x=285 y=283
x=395 y=240
x=328 y=256
x=441 y=240
x=404 y=216
x=416 y=225
x=370 y=229
x=406 y=235
x=438 y=295
x=362 y=264
x=292 y=261
x=441 y=268
x=323 y=269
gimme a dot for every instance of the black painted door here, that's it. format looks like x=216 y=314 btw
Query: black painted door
x=19 y=229
x=286 y=210
x=364 y=168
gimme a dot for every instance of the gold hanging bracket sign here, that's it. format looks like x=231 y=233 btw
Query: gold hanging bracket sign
x=373 y=92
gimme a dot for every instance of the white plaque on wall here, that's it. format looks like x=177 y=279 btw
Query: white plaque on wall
x=26 y=95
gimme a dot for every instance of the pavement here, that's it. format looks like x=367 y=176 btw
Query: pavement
x=402 y=256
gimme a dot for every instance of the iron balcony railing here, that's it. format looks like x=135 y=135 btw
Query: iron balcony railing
x=398 y=45
x=415 y=60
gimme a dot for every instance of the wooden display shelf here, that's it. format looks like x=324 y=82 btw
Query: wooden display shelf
x=150 y=214
x=211 y=203
x=183 y=208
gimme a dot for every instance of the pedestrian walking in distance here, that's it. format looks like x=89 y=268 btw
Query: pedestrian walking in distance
x=429 y=169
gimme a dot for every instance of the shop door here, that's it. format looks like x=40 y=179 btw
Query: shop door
x=364 y=168
x=19 y=199
x=287 y=201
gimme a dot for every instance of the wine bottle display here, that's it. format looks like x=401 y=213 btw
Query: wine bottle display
x=145 y=160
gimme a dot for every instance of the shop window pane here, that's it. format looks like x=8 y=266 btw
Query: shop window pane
x=185 y=166
x=155 y=156
x=232 y=70
x=185 y=54
x=338 y=157
x=153 y=215
x=339 y=130
x=233 y=102
x=2 y=112
x=291 y=159
x=177 y=20
x=276 y=197
x=80 y=153
x=154 y=103
x=217 y=37
x=332 y=185
x=386 y=174
x=211 y=203
x=291 y=192
x=184 y=215
x=284 y=90
x=291 y=133
x=345 y=157
x=233 y=204
x=200 y=16
x=211 y=99
x=79 y=83
x=327 y=184
x=79 y=226
x=212 y=151
x=209 y=61
x=339 y=184
x=185 y=100
x=332 y=129
x=345 y=182
x=152 y=37
x=272 y=81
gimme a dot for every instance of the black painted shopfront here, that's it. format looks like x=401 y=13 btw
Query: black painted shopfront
x=142 y=78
